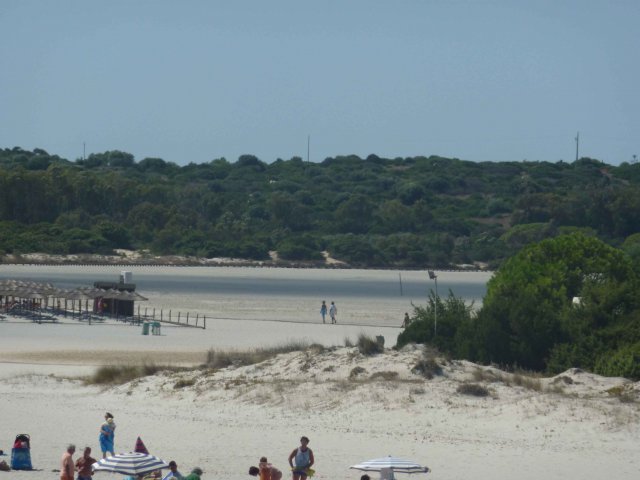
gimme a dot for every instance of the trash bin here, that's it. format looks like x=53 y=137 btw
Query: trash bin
x=155 y=328
x=145 y=328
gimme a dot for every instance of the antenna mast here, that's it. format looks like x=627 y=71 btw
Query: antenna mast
x=308 y=143
x=577 y=144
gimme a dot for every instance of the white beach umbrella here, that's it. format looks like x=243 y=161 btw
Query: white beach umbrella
x=130 y=464
x=392 y=464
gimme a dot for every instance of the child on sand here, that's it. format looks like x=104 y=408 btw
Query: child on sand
x=266 y=470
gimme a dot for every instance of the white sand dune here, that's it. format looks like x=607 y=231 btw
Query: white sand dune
x=352 y=407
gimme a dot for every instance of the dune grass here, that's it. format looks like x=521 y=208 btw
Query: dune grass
x=472 y=389
x=368 y=345
x=238 y=358
x=121 y=374
x=524 y=379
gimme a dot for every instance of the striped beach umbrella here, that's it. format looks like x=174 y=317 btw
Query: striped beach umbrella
x=130 y=464
x=392 y=464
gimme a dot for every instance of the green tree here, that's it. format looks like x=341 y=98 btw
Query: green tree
x=528 y=300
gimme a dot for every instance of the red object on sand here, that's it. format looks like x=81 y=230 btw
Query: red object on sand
x=140 y=448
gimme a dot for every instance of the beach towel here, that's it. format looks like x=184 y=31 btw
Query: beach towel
x=308 y=472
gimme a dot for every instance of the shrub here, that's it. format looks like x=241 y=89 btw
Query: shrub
x=384 y=375
x=111 y=374
x=527 y=381
x=473 y=389
x=427 y=367
x=356 y=371
x=369 y=346
x=120 y=374
x=290 y=250
x=625 y=362
x=621 y=393
x=184 y=383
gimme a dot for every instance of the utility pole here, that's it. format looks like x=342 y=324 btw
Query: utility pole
x=84 y=150
x=577 y=144
x=308 y=144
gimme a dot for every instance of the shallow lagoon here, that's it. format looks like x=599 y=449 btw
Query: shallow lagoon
x=363 y=297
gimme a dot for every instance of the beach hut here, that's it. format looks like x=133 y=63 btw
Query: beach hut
x=118 y=298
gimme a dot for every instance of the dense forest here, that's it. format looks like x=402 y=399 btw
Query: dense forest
x=372 y=212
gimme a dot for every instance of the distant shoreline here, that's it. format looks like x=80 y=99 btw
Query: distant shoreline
x=134 y=259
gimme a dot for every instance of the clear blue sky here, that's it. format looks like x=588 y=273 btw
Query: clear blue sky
x=191 y=81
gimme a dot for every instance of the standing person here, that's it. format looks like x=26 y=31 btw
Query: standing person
x=333 y=313
x=173 y=471
x=83 y=465
x=405 y=322
x=303 y=457
x=323 y=310
x=66 y=465
x=107 y=434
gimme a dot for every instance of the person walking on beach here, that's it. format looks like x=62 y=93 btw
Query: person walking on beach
x=107 y=434
x=303 y=459
x=323 y=310
x=406 y=321
x=66 y=465
x=333 y=313
x=83 y=465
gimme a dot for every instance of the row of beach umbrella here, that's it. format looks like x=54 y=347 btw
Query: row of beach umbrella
x=27 y=289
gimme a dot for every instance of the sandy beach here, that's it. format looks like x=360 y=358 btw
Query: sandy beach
x=352 y=407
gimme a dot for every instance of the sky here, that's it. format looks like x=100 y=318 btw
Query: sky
x=193 y=81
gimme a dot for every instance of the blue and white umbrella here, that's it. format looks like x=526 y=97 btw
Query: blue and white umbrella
x=393 y=464
x=130 y=464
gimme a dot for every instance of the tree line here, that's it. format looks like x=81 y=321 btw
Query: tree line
x=370 y=212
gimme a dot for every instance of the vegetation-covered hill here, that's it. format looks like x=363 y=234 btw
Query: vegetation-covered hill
x=373 y=212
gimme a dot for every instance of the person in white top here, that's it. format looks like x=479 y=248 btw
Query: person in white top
x=333 y=313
